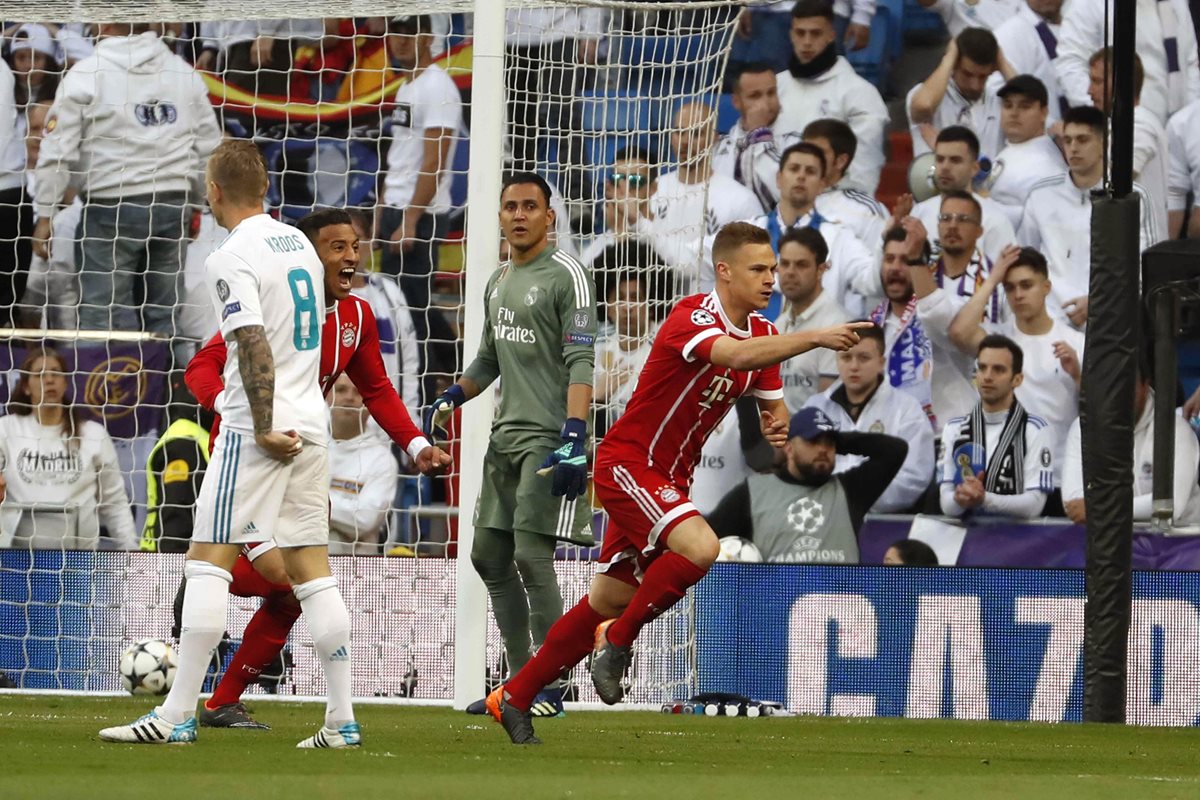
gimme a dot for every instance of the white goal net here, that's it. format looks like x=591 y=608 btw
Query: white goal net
x=101 y=260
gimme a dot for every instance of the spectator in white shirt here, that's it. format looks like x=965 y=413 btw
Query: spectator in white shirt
x=803 y=261
x=1029 y=40
x=1185 y=494
x=138 y=171
x=908 y=350
x=821 y=84
x=362 y=475
x=1166 y=43
x=1183 y=172
x=956 y=93
x=627 y=188
x=692 y=202
x=962 y=14
x=853 y=277
x=749 y=153
x=255 y=55
x=60 y=470
x=1030 y=155
x=416 y=189
x=1058 y=214
x=1150 y=141
x=863 y=400
x=1053 y=349
x=622 y=351
x=858 y=211
x=997 y=459
x=943 y=288
x=956 y=165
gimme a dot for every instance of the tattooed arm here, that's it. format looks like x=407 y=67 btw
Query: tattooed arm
x=256 y=365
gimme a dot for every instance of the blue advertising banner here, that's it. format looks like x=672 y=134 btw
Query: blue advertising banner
x=1000 y=644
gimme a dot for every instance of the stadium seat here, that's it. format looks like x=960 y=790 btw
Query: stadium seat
x=918 y=19
x=874 y=61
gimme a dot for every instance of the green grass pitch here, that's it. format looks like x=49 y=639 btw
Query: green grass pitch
x=49 y=749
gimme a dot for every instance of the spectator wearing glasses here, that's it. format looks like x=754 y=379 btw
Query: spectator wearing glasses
x=943 y=287
x=627 y=190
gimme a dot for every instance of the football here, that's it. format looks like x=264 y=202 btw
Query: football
x=735 y=548
x=148 y=667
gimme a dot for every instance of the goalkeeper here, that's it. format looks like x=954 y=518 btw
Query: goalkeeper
x=539 y=339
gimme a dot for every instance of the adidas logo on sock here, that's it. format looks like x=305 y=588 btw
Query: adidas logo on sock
x=341 y=654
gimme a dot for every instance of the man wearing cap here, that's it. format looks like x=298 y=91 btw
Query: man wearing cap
x=802 y=513
x=1030 y=155
x=425 y=122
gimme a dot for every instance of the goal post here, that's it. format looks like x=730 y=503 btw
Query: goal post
x=616 y=90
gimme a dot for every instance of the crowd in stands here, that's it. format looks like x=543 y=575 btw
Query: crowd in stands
x=979 y=288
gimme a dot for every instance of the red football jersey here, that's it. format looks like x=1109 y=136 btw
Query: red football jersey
x=350 y=344
x=681 y=396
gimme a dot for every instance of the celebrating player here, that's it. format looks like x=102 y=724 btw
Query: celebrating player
x=268 y=477
x=539 y=338
x=349 y=342
x=711 y=350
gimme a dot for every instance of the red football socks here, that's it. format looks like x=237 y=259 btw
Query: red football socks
x=567 y=642
x=665 y=583
x=262 y=641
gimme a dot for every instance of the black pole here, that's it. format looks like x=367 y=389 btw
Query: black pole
x=1166 y=328
x=1124 y=44
x=1110 y=359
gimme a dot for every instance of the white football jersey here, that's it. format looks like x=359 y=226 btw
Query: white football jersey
x=267 y=273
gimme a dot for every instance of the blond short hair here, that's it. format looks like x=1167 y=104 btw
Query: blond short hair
x=238 y=168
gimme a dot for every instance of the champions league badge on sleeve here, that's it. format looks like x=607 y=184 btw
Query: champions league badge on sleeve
x=969 y=460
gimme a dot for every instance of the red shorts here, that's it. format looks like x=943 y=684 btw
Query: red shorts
x=643 y=507
x=248 y=582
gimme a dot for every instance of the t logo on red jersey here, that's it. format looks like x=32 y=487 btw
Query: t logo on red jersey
x=716 y=391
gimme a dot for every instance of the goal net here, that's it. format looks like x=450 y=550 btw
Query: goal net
x=599 y=97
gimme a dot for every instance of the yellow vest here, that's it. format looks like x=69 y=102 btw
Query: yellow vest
x=179 y=429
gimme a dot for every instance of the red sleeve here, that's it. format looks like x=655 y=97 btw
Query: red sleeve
x=379 y=395
x=691 y=332
x=768 y=385
x=204 y=372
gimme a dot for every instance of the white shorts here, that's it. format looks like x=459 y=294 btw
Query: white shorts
x=248 y=497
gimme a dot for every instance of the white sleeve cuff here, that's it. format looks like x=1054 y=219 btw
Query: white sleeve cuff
x=416 y=446
x=692 y=343
x=769 y=394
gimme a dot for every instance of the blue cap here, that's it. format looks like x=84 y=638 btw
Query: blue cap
x=811 y=423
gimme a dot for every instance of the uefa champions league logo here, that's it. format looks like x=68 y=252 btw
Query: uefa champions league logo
x=805 y=516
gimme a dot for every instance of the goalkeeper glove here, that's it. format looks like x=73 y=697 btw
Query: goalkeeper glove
x=569 y=462
x=441 y=409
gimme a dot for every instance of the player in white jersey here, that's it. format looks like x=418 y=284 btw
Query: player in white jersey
x=268 y=474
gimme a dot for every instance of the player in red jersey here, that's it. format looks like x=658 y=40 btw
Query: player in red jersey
x=350 y=344
x=710 y=351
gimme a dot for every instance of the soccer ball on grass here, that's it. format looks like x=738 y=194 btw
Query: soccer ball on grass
x=148 y=667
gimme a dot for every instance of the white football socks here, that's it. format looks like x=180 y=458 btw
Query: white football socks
x=205 y=605
x=329 y=624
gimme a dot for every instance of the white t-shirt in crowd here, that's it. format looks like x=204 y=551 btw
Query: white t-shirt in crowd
x=1047 y=390
x=686 y=213
x=982 y=116
x=1018 y=168
x=267 y=273
x=43 y=469
x=623 y=365
x=962 y=14
x=801 y=374
x=362 y=484
x=1183 y=146
x=429 y=102
x=1150 y=156
x=1030 y=45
